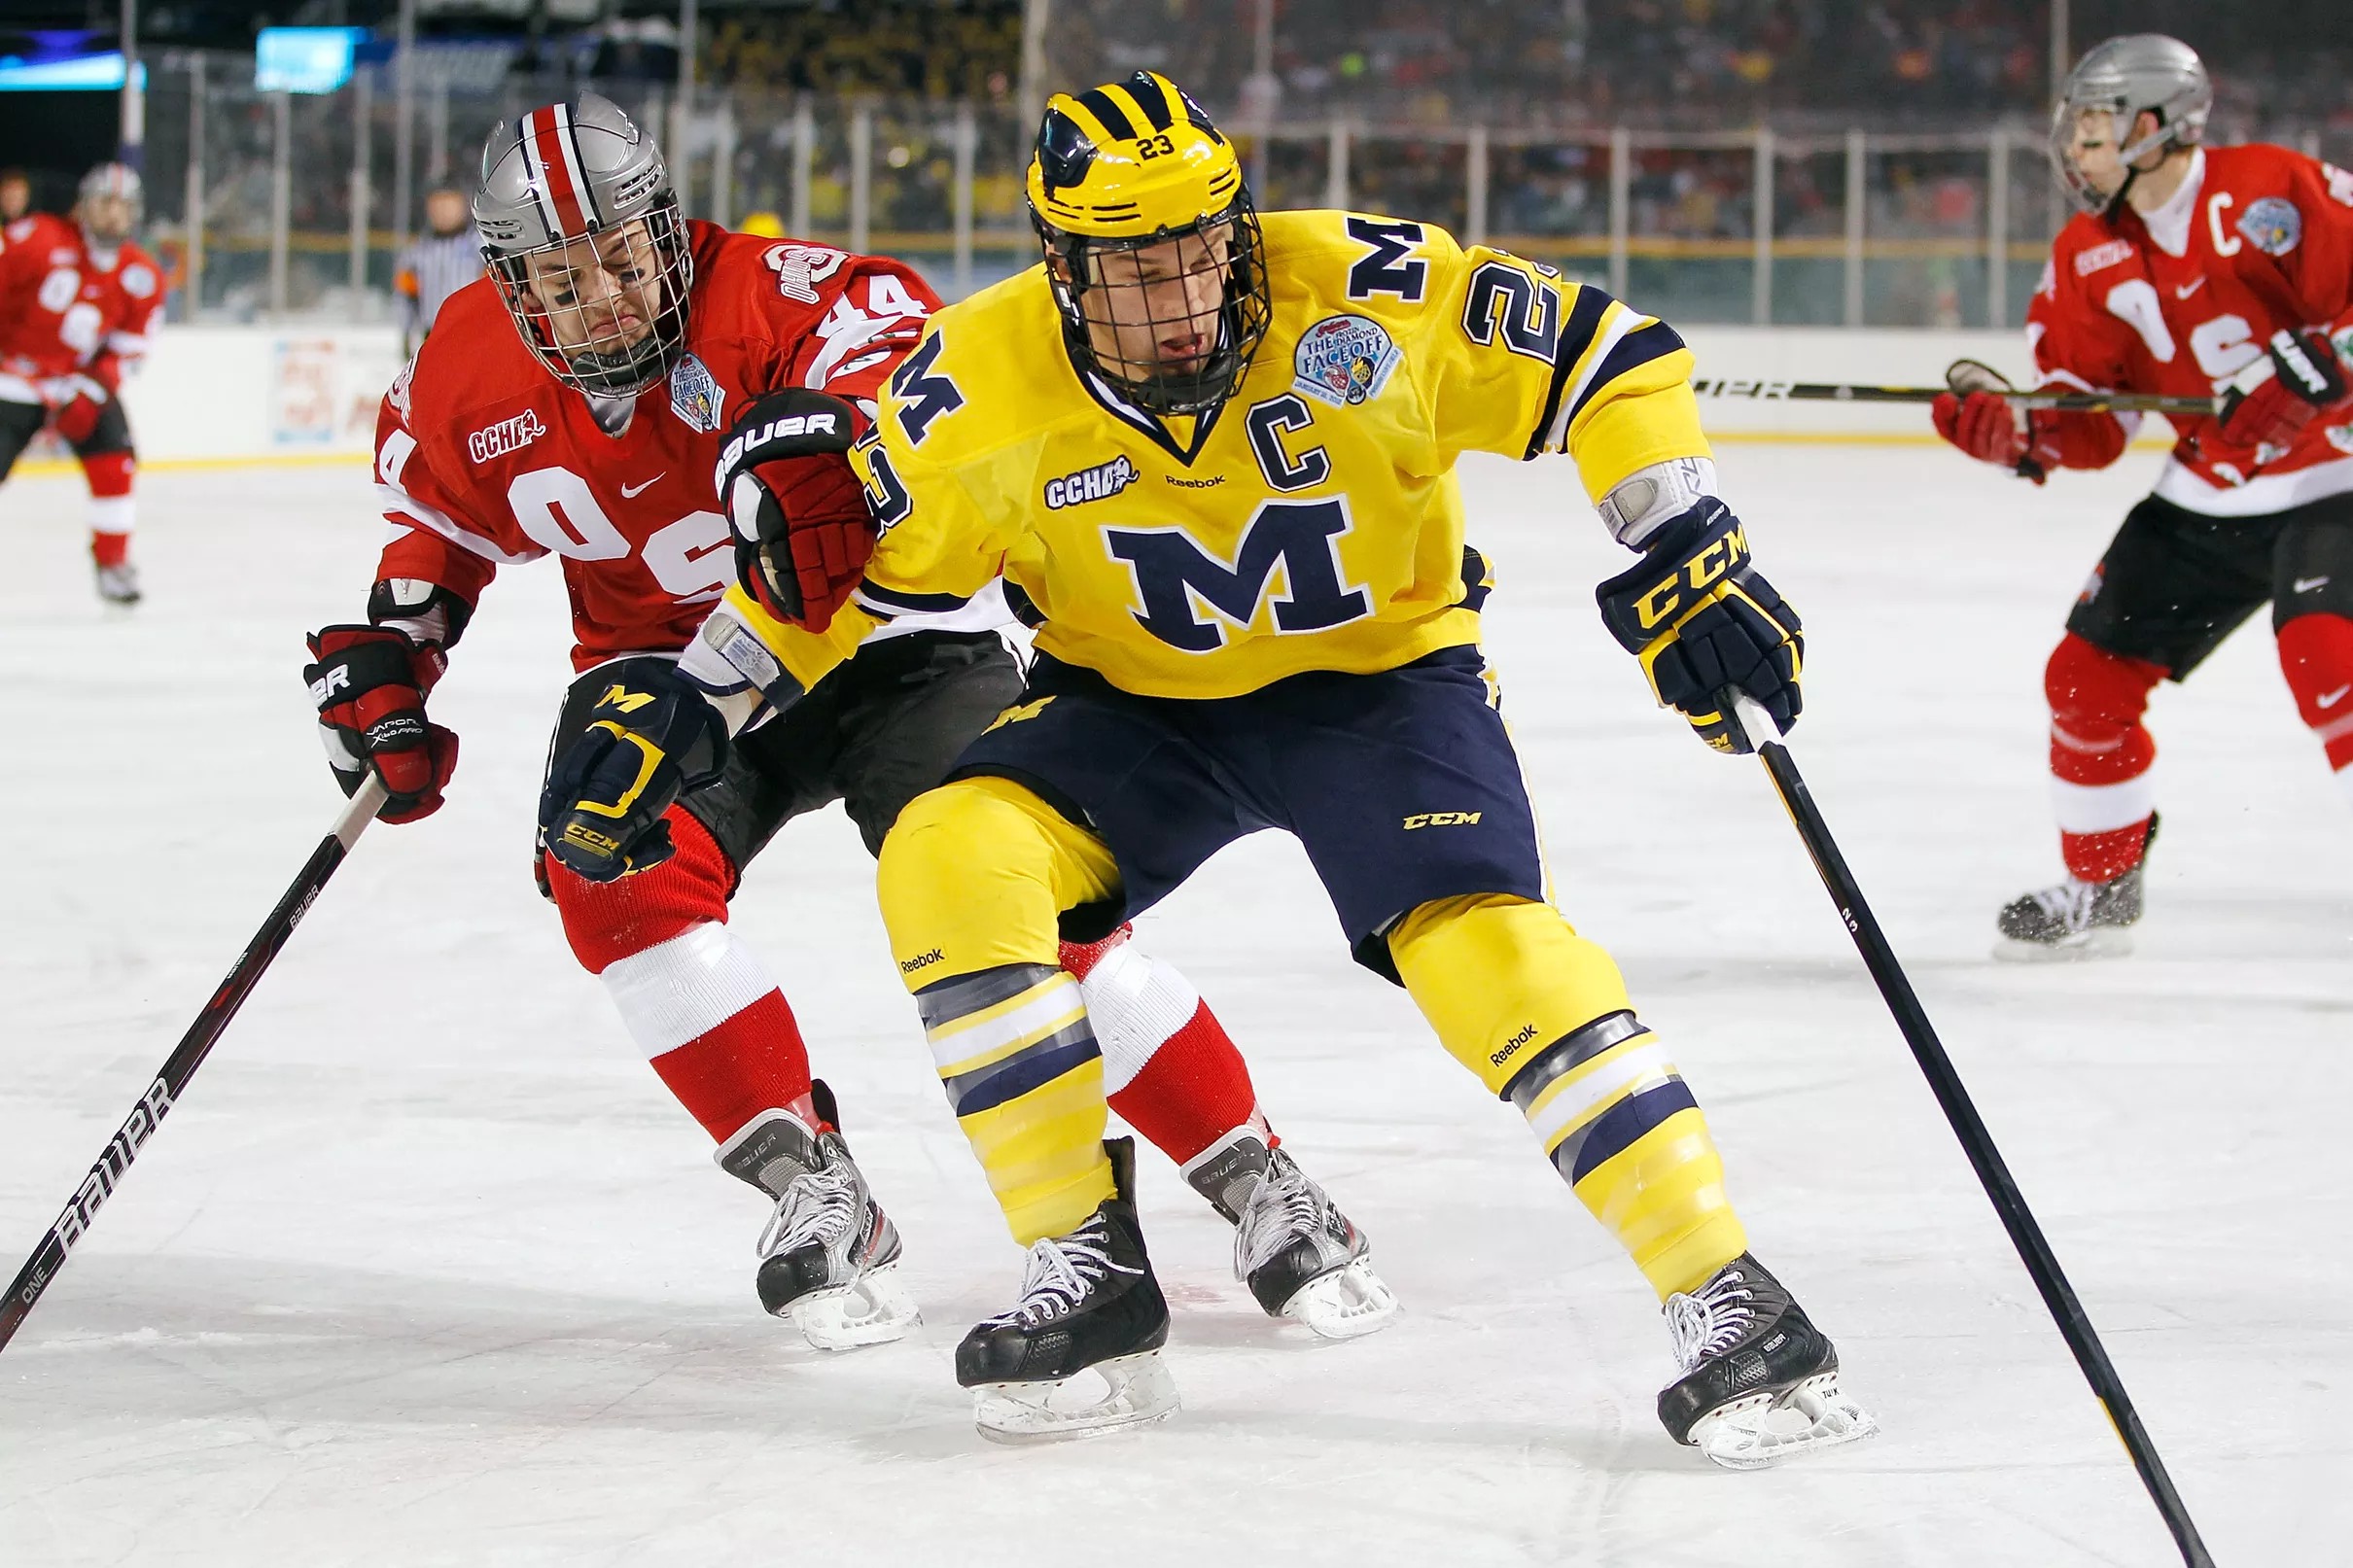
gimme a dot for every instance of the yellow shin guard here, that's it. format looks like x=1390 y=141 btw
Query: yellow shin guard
x=971 y=881
x=1542 y=1016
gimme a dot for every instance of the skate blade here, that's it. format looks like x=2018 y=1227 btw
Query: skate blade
x=1346 y=1304
x=873 y=1309
x=2101 y=942
x=1749 y=1434
x=1136 y=1391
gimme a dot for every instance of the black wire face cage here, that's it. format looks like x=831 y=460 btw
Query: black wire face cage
x=1129 y=312
x=578 y=341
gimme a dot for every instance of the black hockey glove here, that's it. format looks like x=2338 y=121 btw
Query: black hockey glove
x=1707 y=625
x=601 y=813
x=797 y=508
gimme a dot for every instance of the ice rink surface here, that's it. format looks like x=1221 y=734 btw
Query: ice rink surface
x=427 y=1267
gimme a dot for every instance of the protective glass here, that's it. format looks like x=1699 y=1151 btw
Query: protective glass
x=606 y=315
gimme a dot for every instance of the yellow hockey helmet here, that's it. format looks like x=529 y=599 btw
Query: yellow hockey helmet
x=1132 y=167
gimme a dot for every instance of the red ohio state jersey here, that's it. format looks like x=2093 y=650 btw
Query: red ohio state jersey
x=2179 y=301
x=65 y=308
x=484 y=460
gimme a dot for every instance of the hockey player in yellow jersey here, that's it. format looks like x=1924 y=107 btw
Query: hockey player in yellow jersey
x=1211 y=453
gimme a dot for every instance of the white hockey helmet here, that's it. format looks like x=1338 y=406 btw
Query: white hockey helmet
x=2124 y=77
x=583 y=234
x=109 y=181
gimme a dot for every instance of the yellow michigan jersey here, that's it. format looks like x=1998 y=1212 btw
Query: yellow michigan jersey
x=1312 y=522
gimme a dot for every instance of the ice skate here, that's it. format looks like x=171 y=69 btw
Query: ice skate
x=2076 y=918
x=1301 y=1257
x=1080 y=1354
x=118 y=584
x=828 y=1255
x=1760 y=1381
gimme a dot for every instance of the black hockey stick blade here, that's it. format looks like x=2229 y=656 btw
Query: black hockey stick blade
x=106 y=1172
x=2117 y=403
x=2025 y=1235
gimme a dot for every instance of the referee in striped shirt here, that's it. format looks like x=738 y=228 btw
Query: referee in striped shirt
x=437 y=266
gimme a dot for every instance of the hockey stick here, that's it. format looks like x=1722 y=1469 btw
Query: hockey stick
x=2058 y=1297
x=107 y=1172
x=2115 y=403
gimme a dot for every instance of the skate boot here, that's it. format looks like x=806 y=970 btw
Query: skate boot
x=1760 y=1381
x=1089 y=1303
x=1301 y=1257
x=118 y=584
x=2077 y=918
x=828 y=1256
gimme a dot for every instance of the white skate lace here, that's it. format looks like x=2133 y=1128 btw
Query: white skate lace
x=1060 y=1273
x=2070 y=902
x=1284 y=1206
x=1711 y=1320
x=818 y=1207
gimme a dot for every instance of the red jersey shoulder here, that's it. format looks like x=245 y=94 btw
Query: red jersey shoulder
x=471 y=362
x=803 y=314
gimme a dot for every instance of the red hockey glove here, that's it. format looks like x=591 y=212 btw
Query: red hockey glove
x=75 y=405
x=2272 y=402
x=802 y=531
x=370 y=683
x=1984 y=426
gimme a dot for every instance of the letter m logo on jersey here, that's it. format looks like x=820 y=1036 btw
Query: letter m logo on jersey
x=1289 y=554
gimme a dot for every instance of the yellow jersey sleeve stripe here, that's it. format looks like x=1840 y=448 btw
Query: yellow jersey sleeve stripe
x=1651 y=340
x=1587 y=312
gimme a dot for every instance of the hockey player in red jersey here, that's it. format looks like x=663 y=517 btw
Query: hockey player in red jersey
x=78 y=305
x=2210 y=271
x=578 y=402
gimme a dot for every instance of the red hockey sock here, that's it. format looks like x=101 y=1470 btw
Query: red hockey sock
x=2316 y=655
x=692 y=994
x=109 y=550
x=2100 y=755
x=1169 y=1067
x=753 y=1062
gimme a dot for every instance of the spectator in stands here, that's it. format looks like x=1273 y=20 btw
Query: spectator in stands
x=437 y=266
x=16 y=195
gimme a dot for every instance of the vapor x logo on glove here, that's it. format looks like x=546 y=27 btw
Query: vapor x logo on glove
x=369 y=684
x=1707 y=625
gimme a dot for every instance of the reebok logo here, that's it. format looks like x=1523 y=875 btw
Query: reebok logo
x=907 y=966
x=2311 y=584
x=1527 y=1032
x=2331 y=699
x=505 y=436
x=1441 y=820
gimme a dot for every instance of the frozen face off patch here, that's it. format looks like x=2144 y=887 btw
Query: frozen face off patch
x=2273 y=224
x=696 y=396
x=1342 y=361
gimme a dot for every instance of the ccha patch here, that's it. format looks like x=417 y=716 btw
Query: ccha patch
x=1344 y=360
x=2272 y=225
x=696 y=397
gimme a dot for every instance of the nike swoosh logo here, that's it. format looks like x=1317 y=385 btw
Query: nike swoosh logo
x=2335 y=697
x=2307 y=585
x=630 y=492
x=2183 y=291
